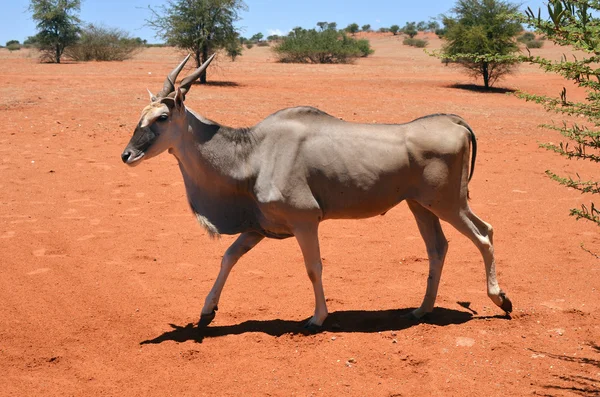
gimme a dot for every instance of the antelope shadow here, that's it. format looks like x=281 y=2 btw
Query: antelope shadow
x=347 y=321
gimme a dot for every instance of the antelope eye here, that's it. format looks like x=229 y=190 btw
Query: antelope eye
x=163 y=117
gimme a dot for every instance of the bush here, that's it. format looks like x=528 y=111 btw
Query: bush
x=365 y=47
x=525 y=37
x=574 y=25
x=410 y=29
x=13 y=46
x=534 y=43
x=31 y=41
x=233 y=49
x=384 y=30
x=528 y=38
x=262 y=44
x=327 y=46
x=441 y=32
x=419 y=43
x=249 y=45
x=352 y=28
x=98 y=43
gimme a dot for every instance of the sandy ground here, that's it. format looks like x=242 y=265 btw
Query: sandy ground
x=103 y=270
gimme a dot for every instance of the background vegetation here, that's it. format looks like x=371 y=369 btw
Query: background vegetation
x=573 y=23
x=57 y=24
x=100 y=43
x=480 y=36
x=198 y=27
x=325 y=46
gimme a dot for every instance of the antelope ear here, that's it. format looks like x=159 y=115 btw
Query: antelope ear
x=179 y=99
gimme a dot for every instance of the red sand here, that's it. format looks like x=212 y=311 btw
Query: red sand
x=104 y=271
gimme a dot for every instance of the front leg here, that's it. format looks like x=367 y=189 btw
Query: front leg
x=308 y=239
x=244 y=243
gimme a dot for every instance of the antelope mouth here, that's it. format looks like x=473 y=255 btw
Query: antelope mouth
x=132 y=159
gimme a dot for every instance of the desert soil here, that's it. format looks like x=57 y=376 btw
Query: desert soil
x=103 y=269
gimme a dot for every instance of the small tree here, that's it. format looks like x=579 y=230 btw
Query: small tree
x=197 y=26
x=422 y=26
x=574 y=23
x=481 y=38
x=410 y=29
x=366 y=28
x=352 y=28
x=394 y=29
x=433 y=26
x=57 y=24
x=257 y=37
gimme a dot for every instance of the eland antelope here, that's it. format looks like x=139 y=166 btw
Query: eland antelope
x=301 y=166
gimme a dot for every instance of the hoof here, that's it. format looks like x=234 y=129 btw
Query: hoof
x=206 y=319
x=413 y=317
x=311 y=329
x=506 y=303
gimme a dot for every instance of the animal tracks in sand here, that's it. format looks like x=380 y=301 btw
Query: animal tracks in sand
x=41 y=270
x=42 y=252
x=86 y=237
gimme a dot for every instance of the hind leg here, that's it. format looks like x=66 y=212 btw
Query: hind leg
x=307 y=236
x=437 y=246
x=481 y=234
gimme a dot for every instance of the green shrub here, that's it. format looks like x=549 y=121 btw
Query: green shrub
x=365 y=47
x=352 y=28
x=249 y=45
x=534 y=43
x=98 y=43
x=419 y=43
x=384 y=30
x=31 y=41
x=525 y=37
x=13 y=46
x=262 y=44
x=441 y=32
x=327 y=46
x=410 y=29
x=233 y=49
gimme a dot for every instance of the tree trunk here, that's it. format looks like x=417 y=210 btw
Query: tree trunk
x=204 y=58
x=57 y=54
x=486 y=75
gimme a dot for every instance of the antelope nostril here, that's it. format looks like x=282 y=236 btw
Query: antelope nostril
x=125 y=156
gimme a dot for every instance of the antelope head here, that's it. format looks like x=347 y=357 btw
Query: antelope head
x=162 y=119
